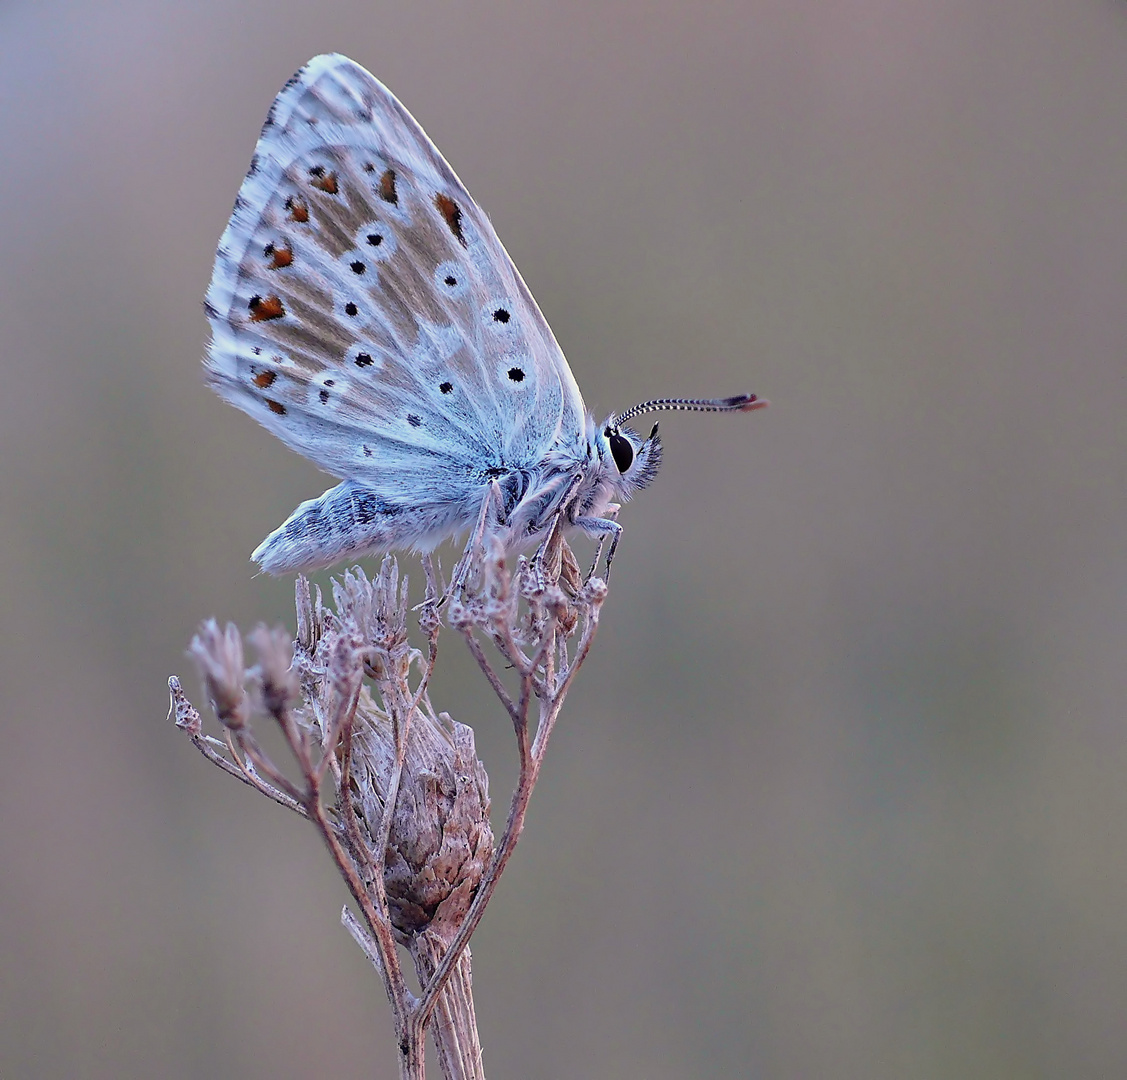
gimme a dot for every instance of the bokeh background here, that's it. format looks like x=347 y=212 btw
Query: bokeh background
x=841 y=791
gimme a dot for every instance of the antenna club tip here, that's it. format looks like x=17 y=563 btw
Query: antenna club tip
x=748 y=402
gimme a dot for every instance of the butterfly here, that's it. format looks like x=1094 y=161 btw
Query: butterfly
x=364 y=311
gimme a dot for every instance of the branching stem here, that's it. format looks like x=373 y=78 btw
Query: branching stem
x=358 y=763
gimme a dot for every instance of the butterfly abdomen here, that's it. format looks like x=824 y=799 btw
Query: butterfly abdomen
x=347 y=520
x=352 y=520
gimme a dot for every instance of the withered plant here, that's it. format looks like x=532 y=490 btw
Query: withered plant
x=394 y=787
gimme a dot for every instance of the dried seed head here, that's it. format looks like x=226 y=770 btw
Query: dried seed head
x=440 y=838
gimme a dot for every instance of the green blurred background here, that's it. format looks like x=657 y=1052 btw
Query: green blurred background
x=841 y=791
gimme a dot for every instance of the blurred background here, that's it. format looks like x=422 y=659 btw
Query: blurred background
x=841 y=791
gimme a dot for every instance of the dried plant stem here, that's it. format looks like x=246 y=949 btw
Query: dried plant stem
x=453 y=1020
x=530 y=760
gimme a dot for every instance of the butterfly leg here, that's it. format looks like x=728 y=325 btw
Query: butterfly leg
x=548 y=560
x=491 y=507
x=602 y=528
x=611 y=514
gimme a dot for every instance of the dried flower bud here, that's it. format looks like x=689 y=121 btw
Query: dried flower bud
x=280 y=688
x=219 y=656
x=310 y=617
x=595 y=592
x=182 y=710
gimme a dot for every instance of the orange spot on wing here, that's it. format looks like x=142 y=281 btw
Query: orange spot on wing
x=263 y=379
x=452 y=212
x=262 y=309
x=280 y=255
x=276 y=407
x=326 y=183
x=299 y=212
x=387 y=188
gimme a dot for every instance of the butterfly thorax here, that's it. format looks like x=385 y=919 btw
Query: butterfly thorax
x=580 y=481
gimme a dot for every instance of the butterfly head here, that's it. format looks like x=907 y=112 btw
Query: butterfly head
x=632 y=460
x=637 y=459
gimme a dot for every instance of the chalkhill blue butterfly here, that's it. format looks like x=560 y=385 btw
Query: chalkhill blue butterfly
x=364 y=311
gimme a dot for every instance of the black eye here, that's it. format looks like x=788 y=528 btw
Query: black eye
x=621 y=451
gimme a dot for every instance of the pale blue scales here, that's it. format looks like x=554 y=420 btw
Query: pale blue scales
x=364 y=311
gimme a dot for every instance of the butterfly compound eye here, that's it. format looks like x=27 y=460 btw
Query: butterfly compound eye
x=621 y=451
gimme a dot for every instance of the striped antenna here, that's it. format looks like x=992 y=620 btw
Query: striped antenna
x=739 y=403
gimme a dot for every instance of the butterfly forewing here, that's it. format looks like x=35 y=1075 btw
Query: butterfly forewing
x=363 y=309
